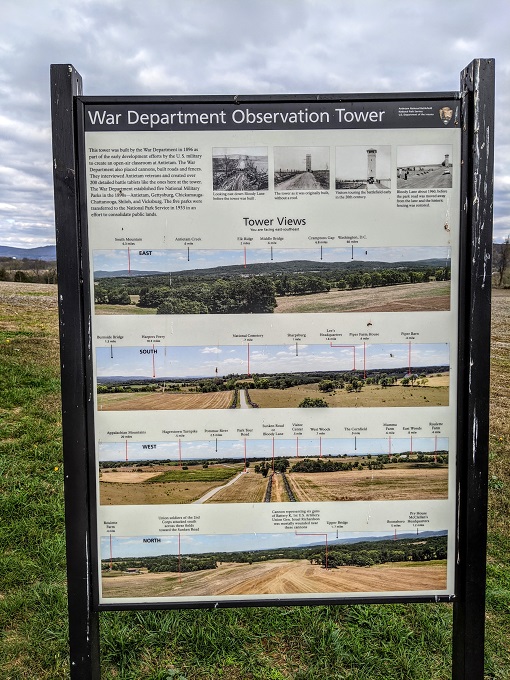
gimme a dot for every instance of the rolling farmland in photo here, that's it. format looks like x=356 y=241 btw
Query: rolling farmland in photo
x=310 y=566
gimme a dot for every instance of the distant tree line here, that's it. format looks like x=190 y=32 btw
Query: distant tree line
x=164 y=563
x=328 y=464
x=323 y=465
x=361 y=554
x=303 y=284
x=27 y=270
x=328 y=383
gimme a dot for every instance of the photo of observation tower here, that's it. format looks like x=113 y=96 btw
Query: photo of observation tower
x=301 y=168
x=363 y=168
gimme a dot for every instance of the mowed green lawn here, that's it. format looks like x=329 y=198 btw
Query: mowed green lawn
x=383 y=642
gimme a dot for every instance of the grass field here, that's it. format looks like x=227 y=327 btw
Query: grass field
x=434 y=393
x=414 y=297
x=170 y=484
x=370 y=485
x=358 y=642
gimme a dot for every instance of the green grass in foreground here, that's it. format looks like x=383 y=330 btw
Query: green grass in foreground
x=359 y=642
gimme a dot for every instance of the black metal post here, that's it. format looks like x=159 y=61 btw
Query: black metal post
x=66 y=83
x=477 y=88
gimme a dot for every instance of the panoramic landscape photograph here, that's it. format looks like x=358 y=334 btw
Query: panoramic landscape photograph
x=272 y=376
x=273 y=470
x=278 y=564
x=272 y=280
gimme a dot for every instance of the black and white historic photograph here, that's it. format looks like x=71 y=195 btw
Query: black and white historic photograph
x=301 y=168
x=427 y=166
x=239 y=169
x=363 y=167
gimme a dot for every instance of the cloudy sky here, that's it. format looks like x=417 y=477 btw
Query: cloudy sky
x=134 y=546
x=211 y=361
x=181 y=260
x=123 y=47
x=258 y=448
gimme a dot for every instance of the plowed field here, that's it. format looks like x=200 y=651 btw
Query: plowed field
x=370 y=485
x=249 y=488
x=278 y=577
x=161 y=402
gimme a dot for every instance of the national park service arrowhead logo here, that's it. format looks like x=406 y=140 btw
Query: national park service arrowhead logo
x=446 y=114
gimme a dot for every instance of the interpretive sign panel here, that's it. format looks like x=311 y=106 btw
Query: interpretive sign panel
x=274 y=330
x=274 y=325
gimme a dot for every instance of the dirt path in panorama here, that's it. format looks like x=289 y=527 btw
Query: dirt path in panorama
x=278 y=494
x=242 y=399
x=277 y=577
x=305 y=180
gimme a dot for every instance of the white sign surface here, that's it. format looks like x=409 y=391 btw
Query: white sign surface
x=275 y=349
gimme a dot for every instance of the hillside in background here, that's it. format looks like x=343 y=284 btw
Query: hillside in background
x=46 y=253
x=291 y=267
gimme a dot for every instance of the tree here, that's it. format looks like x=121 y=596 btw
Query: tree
x=175 y=305
x=504 y=262
x=119 y=297
x=281 y=465
x=310 y=402
x=100 y=296
x=20 y=276
x=260 y=296
x=154 y=297
x=326 y=386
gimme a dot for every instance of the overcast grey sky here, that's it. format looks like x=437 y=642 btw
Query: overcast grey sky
x=228 y=47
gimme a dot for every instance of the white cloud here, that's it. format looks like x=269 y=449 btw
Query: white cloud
x=212 y=350
x=170 y=47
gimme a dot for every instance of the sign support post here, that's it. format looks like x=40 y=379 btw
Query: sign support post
x=66 y=84
x=477 y=86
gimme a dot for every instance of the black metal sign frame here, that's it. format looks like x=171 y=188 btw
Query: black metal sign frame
x=476 y=97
